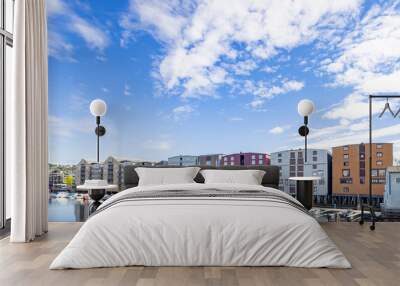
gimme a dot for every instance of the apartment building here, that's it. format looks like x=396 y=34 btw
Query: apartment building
x=292 y=164
x=351 y=172
x=111 y=170
x=246 y=159
x=213 y=160
x=88 y=170
x=183 y=160
x=55 y=178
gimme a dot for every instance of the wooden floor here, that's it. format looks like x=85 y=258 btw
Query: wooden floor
x=375 y=257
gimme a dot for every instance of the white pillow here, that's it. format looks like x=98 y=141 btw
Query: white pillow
x=166 y=176
x=248 y=177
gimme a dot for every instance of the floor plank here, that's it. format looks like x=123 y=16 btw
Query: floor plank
x=375 y=257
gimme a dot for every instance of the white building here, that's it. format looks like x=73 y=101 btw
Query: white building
x=111 y=170
x=88 y=170
x=292 y=164
x=183 y=160
x=114 y=169
x=391 y=197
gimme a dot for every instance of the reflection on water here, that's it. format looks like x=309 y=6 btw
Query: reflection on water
x=67 y=208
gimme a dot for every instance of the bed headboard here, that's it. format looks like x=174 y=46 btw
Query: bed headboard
x=270 y=179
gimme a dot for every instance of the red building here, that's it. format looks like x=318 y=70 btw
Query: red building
x=246 y=159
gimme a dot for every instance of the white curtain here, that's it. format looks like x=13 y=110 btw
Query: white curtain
x=27 y=123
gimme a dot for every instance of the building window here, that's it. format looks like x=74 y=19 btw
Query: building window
x=345 y=148
x=292 y=168
x=379 y=163
x=225 y=159
x=232 y=163
x=362 y=156
x=299 y=154
x=314 y=167
x=315 y=159
x=382 y=172
x=232 y=158
x=346 y=163
x=279 y=160
x=292 y=162
x=315 y=153
x=374 y=172
x=379 y=146
x=300 y=168
x=279 y=154
x=260 y=162
x=346 y=172
x=345 y=156
x=379 y=154
x=253 y=156
x=346 y=189
x=292 y=155
x=253 y=161
x=346 y=180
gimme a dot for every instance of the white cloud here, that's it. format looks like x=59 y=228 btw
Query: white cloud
x=59 y=48
x=158 y=145
x=78 y=102
x=67 y=127
x=368 y=57
x=277 y=130
x=95 y=37
x=257 y=103
x=235 y=119
x=127 y=90
x=261 y=90
x=104 y=89
x=182 y=111
x=202 y=38
x=56 y=7
x=356 y=106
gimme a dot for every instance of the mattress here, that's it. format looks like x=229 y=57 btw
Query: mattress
x=201 y=225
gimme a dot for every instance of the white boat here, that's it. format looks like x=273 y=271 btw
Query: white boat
x=62 y=195
x=79 y=196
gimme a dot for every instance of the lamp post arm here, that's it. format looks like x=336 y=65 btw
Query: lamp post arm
x=98 y=138
x=305 y=138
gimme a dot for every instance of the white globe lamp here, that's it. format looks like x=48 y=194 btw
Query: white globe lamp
x=305 y=107
x=98 y=108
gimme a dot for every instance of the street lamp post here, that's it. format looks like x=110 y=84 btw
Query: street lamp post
x=98 y=108
x=305 y=107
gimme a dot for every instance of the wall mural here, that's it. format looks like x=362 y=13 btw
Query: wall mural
x=197 y=83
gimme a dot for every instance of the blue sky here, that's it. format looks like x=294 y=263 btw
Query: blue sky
x=197 y=77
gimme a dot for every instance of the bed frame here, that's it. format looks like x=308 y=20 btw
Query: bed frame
x=270 y=179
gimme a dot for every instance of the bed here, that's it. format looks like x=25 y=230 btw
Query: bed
x=197 y=224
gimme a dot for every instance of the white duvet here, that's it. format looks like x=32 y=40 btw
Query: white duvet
x=200 y=231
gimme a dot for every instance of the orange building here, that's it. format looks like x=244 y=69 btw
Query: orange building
x=350 y=171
